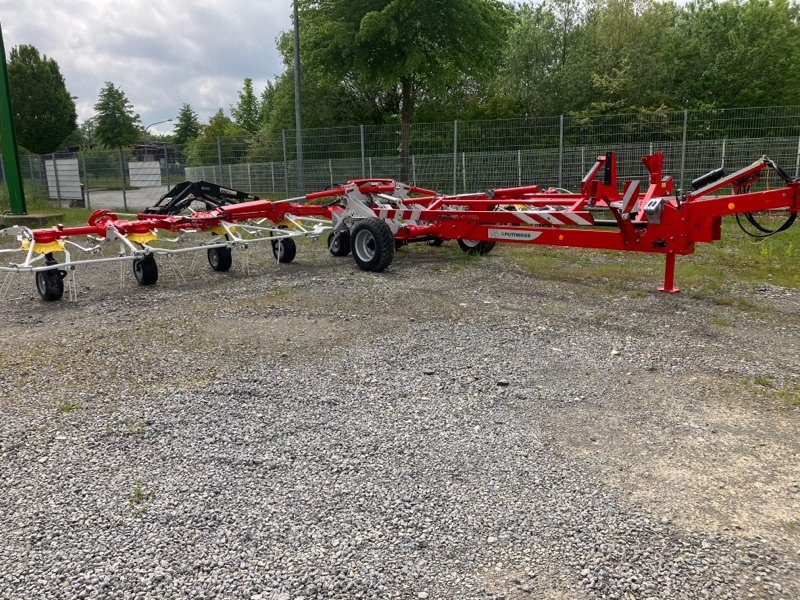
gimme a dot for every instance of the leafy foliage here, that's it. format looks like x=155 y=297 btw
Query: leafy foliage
x=116 y=124
x=382 y=61
x=203 y=149
x=416 y=46
x=247 y=112
x=188 y=126
x=44 y=111
x=628 y=63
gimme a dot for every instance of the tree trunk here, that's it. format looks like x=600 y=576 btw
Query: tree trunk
x=406 y=109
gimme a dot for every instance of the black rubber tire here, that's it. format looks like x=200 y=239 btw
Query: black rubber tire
x=284 y=250
x=435 y=242
x=373 y=245
x=339 y=244
x=475 y=247
x=145 y=270
x=220 y=259
x=50 y=284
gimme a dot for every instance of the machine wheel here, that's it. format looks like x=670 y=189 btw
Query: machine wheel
x=284 y=250
x=339 y=243
x=145 y=270
x=373 y=245
x=50 y=284
x=475 y=246
x=220 y=258
x=435 y=242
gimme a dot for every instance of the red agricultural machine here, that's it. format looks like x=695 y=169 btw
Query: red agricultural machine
x=371 y=218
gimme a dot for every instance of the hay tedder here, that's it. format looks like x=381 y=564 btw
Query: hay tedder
x=371 y=218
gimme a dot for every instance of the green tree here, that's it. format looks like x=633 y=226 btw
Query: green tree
x=326 y=102
x=116 y=124
x=267 y=102
x=44 y=112
x=729 y=54
x=413 y=45
x=246 y=114
x=188 y=126
x=232 y=140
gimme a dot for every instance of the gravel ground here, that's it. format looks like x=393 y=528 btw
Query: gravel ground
x=448 y=429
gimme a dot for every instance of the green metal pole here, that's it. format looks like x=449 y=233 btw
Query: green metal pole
x=8 y=140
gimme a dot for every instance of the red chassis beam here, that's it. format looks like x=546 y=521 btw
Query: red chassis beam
x=647 y=217
x=643 y=222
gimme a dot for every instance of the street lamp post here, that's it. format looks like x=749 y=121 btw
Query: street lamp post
x=156 y=123
x=298 y=120
x=166 y=158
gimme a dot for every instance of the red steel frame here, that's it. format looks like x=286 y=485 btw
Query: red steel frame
x=559 y=219
x=672 y=226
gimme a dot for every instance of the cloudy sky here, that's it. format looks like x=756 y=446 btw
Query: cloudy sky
x=162 y=53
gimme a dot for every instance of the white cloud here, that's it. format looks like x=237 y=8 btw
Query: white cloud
x=162 y=53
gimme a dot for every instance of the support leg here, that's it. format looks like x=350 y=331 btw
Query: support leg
x=669 y=276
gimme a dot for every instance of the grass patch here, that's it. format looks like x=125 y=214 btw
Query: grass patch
x=790 y=395
x=720 y=321
x=135 y=428
x=72 y=215
x=708 y=272
x=68 y=406
x=764 y=381
x=138 y=498
x=766 y=386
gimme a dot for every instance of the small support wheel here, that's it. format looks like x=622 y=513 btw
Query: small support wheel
x=284 y=250
x=475 y=246
x=145 y=270
x=339 y=243
x=435 y=242
x=373 y=245
x=50 y=284
x=220 y=258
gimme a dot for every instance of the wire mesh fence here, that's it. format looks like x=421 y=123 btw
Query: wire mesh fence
x=449 y=157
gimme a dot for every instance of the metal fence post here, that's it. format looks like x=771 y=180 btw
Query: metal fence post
x=561 y=151
x=122 y=177
x=583 y=160
x=797 y=162
x=219 y=159
x=32 y=171
x=370 y=167
x=519 y=167
x=86 y=193
x=683 y=146
x=41 y=180
x=455 y=157
x=330 y=170
x=249 y=179
x=272 y=171
x=166 y=163
x=285 y=162
x=55 y=176
x=724 y=142
x=464 y=169
x=413 y=169
x=363 y=154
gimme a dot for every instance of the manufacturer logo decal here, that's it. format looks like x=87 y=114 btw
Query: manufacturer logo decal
x=513 y=234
